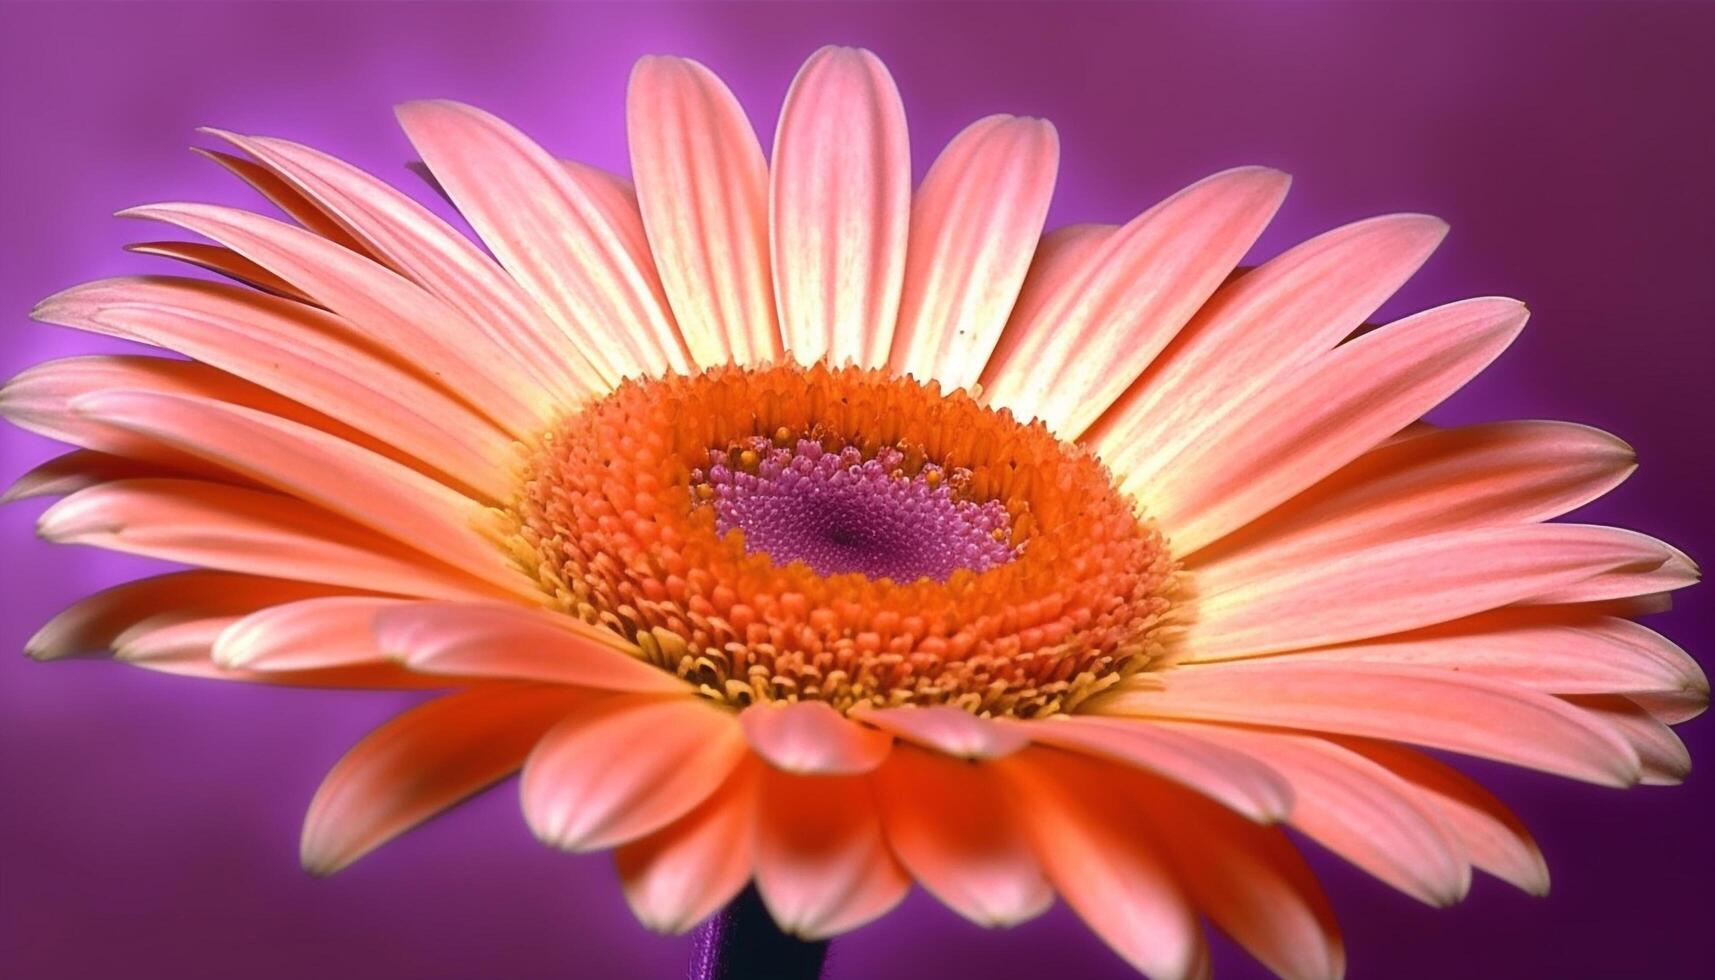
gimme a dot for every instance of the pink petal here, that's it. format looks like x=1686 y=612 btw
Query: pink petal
x=376 y=304
x=1493 y=838
x=626 y=766
x=822 y=866
x=1106 y=862
x=1320 y=418
x=1439 y=709
x=952 y=827
x=298 y=352
x=285 y=197
x=1409 y=584
x=1075 y=343
x=421 y=763
x=1359 y=810
x=79 y=469
x=975 y=222
x=320 y=469
x=1270 y=321
x=702 y=184
x=1242 y=782
x=333 y=631
x=247 y=531
x=949 y=730
x=1432 y=480
x=685 y=872
x=810 y=738
x=840 y=209
x=553 y=236
x=517 y=643
x=410 y=239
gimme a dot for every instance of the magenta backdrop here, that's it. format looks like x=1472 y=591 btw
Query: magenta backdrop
x=149 y=824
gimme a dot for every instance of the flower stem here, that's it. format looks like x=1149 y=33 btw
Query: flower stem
x=742 y=942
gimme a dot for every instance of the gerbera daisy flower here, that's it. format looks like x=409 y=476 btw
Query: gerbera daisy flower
x=790 y=526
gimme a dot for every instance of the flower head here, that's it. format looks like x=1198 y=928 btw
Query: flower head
x=786 y=524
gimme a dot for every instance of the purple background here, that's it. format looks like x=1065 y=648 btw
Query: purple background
x=149 y=823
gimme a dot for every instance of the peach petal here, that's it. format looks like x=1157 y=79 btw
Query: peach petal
x=1428 y=481
x=422 y=762
x=222 y=261
x=299 y=353
x=1410 y=584
x=975 y=222
x=415 y=242
x=1439 y=709
x=952 y=827
x=517 y=643
x=1242 y=782
x=1359 y=810
x=285 y=197
x=79 y=469
x=627 y=766
x=702 y=184
x=1320 y=418
x=1253 y=331
x=1105 y=862
x=840 y=209
x=576 y=257
x=321 y=469
x=1492 y=838
x=811 y=738
x=1071 y=349
x=688 y=870
x=1666 y=761
x=950 y=730
x=333 y=631
x=248 y=531
x=822 y=865
x=378 y=304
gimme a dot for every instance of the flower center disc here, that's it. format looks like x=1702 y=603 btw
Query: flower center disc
x=843 y=535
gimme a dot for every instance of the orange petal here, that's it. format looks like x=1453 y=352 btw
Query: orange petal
x=822 y=866
x=627 y=766
x=1493 y=838
x=1411 y=584
x=1359 y=810
x=422 y=762
x=685 y=872
x=470 y=639
x=702 y=184
x=1429 y=481
x=950 y=730
x=1107 y=864
x=1076 y=343
x=1254 y=330
x=811 y=738
x=1440 y=709
x=952 y=827
x=975 y=222
x=249 y=531
x=840 y=209
x=1318 y=419
x=576 y=258
x=1237 y=780
x=412 y=240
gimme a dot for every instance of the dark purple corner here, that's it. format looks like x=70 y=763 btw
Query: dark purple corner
x=148 y=825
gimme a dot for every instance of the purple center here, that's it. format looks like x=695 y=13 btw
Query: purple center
x=839 y=512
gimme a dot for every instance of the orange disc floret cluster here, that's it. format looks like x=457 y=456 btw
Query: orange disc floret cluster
x=613 y=523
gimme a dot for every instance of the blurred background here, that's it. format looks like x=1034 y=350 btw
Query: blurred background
x=148 y=824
